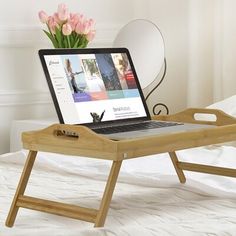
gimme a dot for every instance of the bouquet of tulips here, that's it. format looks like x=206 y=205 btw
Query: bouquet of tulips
x=68 y=30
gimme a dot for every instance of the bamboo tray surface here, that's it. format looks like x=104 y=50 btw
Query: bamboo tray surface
x=88 y=143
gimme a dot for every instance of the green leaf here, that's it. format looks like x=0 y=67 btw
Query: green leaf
x=68 y=40
x=65 y=42
x=59 y=37
x=77 y=42
x=84 y=42
x=53 y=40
x=72 y=39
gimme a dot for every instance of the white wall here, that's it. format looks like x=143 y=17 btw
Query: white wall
x=172 y=17
x=228 y=47
x=201 y=52
x=212 y=51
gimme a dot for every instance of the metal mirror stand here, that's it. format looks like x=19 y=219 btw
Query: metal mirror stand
x=146 y=45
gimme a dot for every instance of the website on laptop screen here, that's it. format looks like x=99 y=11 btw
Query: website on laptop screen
x=94 y=87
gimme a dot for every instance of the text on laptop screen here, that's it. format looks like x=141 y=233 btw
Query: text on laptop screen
x=94 y=87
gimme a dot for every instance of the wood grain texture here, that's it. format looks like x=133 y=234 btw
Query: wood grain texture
x=57 y=208
x=21 y=188
x=107 y=196
x=93 y=145
x=214 y=170
x=176 y=141
x=88 y=143
x=178 y=170
x=188 y=116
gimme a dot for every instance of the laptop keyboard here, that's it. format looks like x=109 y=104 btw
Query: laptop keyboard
x=135 y=127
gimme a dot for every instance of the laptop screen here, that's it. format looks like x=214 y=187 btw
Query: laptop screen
x=93 y=85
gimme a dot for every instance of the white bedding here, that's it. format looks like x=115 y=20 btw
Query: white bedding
x=148 y=199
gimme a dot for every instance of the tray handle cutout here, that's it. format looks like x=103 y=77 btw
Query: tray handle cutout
x=64 y=133
x=201 y=116
x=205 y=117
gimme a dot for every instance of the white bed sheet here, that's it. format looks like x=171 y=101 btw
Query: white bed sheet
x=148 y=199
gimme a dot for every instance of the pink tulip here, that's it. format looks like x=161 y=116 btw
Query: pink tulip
x=56 y=18
x=43 y=17
x=79 y=29
x=63 y=12
x=91 y=23
x=82 y=18
x=66 y=29
x=52 y=24
x=73 y=20
x=86 y=27
x=90 y=36
x=74 y=16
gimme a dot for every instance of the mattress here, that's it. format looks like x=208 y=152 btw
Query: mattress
x=148 y=199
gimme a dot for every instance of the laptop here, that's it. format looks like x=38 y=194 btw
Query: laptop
x=99 y=88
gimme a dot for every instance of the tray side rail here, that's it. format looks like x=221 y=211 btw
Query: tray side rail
x=71 y=140
x=223 y=130
x=199 y=116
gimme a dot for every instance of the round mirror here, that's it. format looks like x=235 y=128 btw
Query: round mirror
x=146 y=45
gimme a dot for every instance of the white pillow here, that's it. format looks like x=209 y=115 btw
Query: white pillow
x=227 y=105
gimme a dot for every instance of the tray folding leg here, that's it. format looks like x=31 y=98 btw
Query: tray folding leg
x=95 y=216
x=109 y=189
x=178 y=170
x=207 y=169
x=21 y=187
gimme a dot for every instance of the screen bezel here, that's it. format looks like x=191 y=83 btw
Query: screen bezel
x=44 y=52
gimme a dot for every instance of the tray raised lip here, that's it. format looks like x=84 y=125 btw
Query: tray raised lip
x=94 y=145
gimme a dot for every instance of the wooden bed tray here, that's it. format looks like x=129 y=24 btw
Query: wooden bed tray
x=87 y=143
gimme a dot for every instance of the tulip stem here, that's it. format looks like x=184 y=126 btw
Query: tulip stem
x=68 y=40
